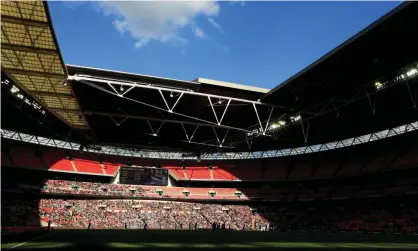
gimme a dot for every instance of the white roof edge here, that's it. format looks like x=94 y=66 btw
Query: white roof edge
x=194 y=82
x=231 y=85
x=133 y=74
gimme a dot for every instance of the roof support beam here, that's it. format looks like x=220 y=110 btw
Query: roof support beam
x=24 y=21
x=51 y=94
x=56 y=109
x=118 y=115
x=115 y=93
x=114 y=150
x=35 y=73
x=158 y=88
x=15 y=47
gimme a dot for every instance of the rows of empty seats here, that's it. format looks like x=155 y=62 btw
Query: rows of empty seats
x=55 y=159
x=201 y=173
x=322 y=165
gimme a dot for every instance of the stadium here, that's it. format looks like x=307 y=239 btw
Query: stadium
x=95 y=158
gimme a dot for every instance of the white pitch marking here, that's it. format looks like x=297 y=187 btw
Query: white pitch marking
x=23 y=243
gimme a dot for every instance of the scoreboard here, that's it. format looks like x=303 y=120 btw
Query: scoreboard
x=143 y=176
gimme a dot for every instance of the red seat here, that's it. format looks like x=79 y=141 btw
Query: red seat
x=56 y=159
x=221 y=174
x=88 y=166
x=111 y=168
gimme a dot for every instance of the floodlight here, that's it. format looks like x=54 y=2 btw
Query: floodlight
x=295 y=118
x=14 y=89
x=378 y=85
x=411 y=72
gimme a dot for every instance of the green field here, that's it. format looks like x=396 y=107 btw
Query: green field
x=201 y=240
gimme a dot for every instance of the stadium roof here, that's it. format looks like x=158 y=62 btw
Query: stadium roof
x=30 y=56
x=231 y=85
x=361 y=87
x=386 y=45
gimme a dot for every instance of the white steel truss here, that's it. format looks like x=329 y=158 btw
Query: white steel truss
x=125 y=87
x=260 y=127
x=110 y=150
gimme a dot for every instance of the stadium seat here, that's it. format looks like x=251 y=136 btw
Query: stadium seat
x=221 y=174
x=57 y=160
x=88 y=166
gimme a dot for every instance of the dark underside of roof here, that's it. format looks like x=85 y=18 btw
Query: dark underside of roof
x=384 y=47
x=347 y=74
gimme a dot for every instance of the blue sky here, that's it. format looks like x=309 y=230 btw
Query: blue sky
x=252 y=43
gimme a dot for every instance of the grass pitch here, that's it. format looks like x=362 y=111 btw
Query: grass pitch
x=72 y=240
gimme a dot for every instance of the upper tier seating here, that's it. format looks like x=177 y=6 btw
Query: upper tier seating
x=338 y=163
x=57 y=159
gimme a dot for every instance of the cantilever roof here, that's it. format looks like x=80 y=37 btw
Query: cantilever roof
x=231 y=85
x=336 y=51
x=30 y=56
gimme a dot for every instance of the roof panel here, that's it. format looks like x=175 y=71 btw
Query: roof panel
x=51 y=63
x=29 y=61
x=52 y=102
x=42 y=37
x=16 y=34
x=25 y=81
x=33 y=10
x=9 y=59
x=9 y=8
x=30 y=56
x=69 y=103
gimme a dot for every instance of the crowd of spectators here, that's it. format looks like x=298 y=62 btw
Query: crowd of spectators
x=91 y=188
x=325 y=216
x=105 y=212
x=350 y=215
x=292 y=193
x=137 y=213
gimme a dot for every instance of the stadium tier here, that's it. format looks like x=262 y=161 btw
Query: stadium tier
x=395 y=155
x=364 y=206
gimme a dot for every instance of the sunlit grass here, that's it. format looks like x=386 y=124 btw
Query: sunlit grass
x=35 y=245
x=266 y=245
x=222 y=246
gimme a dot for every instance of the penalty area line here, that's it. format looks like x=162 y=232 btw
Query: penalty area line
x=23 y=243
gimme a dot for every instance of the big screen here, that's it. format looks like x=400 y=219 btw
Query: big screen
x=143 y=176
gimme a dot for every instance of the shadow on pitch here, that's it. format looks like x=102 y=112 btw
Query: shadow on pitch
x=198 y=240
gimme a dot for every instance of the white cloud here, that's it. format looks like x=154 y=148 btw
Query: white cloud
x=154 y=20
x=199 y=33
x=215 y=25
